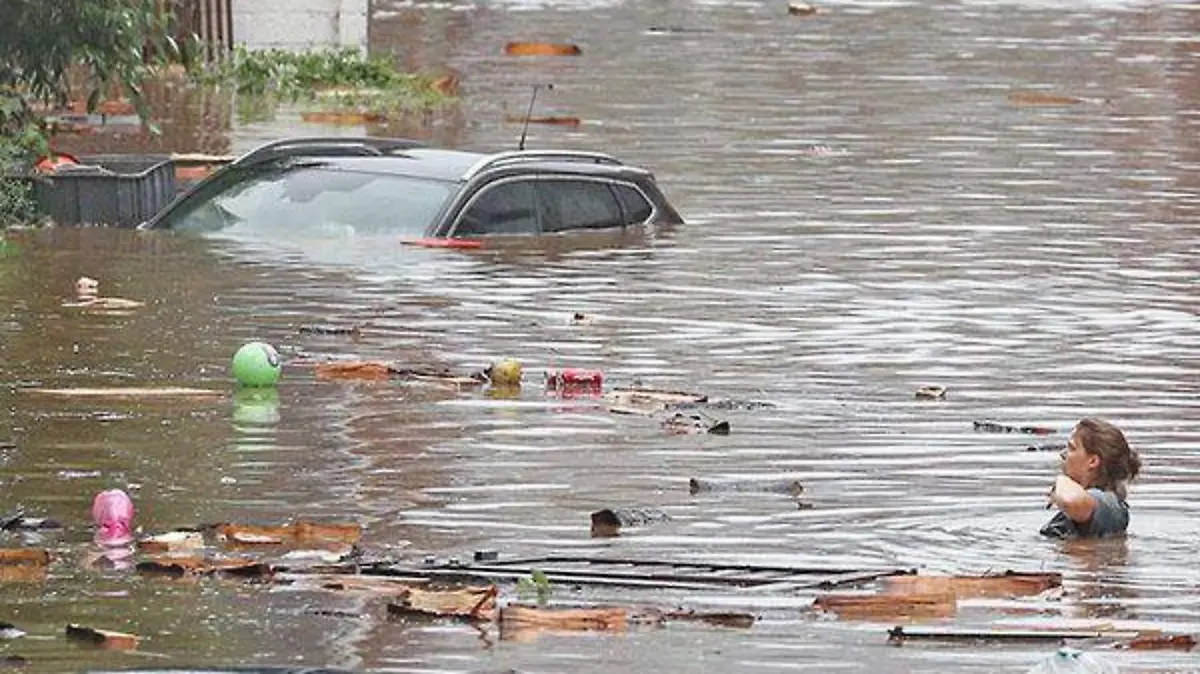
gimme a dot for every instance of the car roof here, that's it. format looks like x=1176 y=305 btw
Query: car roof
x=412 y=158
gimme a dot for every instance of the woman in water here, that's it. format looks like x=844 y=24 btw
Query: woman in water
x=1090 y=494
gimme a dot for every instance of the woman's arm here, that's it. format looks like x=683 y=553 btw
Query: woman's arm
x=1073 y=499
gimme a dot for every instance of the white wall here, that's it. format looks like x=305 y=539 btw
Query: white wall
x=300 y=24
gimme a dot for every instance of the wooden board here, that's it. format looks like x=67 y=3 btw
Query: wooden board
x=129 y=392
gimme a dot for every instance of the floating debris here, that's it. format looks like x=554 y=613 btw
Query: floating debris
x=720 y=619
x=608 y=522
x=24 y=557
x=1048 y=447
x=197 y=565
x=342 y=117
x=1007 y=584
x=505 y=373
x=995 y=427
x=1155 y=642
x=358 y=370
x=516 y=617
x=901 y=633
x=553 y=120
x=541 y=49
x=341 y=330
x=575 y=379
x=19 y=522
x=471 y=603
x=698 y=485
x=797 y=8
x=301 y=532
x=172 y=541
x=682 y=423
x=932 y=392
x=102 y=638
x=889 y=606
x=130 y=392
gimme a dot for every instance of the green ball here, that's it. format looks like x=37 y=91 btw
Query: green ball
x=257 y=364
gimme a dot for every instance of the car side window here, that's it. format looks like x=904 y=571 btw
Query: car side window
x=637 y=210
x=578 y=204
x=506 y=208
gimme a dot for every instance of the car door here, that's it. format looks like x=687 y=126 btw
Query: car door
x=502 y=208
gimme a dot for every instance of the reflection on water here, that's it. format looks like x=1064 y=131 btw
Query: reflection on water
x=869 y=211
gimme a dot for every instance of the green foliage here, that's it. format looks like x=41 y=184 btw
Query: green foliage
x=536 y=585
x=107 y=43
x=17 y=207
x=52 y=52
x=342 y=78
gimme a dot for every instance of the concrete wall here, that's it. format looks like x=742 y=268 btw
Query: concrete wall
x=300 y=24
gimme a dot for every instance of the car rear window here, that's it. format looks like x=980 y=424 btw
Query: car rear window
x=316 y=200
x=637 y=209
x=579 y=204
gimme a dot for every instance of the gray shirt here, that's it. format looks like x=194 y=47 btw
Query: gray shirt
x=1110 y=518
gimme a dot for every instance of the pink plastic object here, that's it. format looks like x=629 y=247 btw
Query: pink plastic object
x=572 y=378
x=112 y=511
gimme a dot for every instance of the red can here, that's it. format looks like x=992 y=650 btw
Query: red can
x=574 y=378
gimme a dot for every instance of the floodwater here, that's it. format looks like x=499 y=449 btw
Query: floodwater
x=870 y=209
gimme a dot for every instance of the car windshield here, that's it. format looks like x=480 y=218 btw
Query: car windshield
x=312 y=199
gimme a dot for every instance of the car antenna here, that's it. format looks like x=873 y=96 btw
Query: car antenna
x=525 y=125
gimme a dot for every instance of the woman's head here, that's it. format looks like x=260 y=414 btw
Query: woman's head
x=1099 y=456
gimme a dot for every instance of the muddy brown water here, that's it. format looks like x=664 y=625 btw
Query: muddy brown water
x=870 y=210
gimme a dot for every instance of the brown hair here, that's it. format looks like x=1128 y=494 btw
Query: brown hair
x=1119 y=463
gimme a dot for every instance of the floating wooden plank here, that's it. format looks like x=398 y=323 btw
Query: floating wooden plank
x=196 y=565
x=172 y=541
x=903 y=632
x=102 y=638
x=354 y=370
x=649 y=401
x=24 y=557
x=300 y=532
x=373 y=585
x=1157 y=642
x=1008 y=584
x=552 y=120
x=130 y=392
x=342 y=117
x=932 y=392
x=471 y=603
x=888 y=606
x=541 y=49
x=614 y=619
x=797 y=8
x=697 y=485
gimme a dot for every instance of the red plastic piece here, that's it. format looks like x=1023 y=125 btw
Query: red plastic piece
x=428 y=242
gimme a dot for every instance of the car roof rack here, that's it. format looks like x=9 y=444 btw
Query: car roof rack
x=514 y=156
x=328 y=146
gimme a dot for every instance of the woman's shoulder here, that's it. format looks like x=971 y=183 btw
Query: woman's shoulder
x=1111 y=515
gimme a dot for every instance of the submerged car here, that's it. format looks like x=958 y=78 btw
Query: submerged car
x=386 y=186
